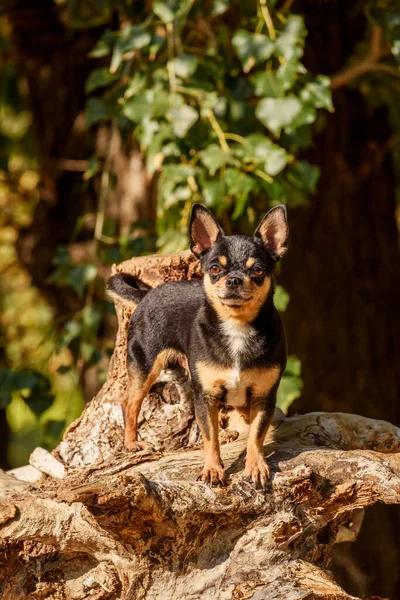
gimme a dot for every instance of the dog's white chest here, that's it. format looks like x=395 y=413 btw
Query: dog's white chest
x=239 y=338
x=235 y=388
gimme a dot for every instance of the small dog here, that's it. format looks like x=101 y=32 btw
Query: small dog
x=227 y=328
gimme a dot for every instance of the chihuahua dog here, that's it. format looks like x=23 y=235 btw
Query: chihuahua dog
x=227 y=328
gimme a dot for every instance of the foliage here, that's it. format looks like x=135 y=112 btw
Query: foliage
x=219 y=97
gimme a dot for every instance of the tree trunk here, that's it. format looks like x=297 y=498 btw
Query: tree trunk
x=343 y=274
x=118 y=525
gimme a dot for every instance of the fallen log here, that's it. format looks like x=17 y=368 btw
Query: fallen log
x=118 y=525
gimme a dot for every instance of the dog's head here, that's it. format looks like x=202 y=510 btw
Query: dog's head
x=238 y=269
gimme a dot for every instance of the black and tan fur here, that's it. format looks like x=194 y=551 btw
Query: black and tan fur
x=225 y=326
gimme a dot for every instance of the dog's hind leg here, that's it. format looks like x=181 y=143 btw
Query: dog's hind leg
x=140 y=383
x=138 y=388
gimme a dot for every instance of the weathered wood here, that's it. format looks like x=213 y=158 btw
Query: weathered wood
x=140 y=526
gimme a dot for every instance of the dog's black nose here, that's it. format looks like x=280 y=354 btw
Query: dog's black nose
x=234 y=282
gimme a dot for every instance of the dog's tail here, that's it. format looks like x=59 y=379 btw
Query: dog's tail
x=127 y=287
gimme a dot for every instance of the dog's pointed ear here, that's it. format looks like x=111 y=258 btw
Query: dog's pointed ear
x=274 y=231
x=204 y=230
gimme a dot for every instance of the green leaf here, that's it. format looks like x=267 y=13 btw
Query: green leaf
x=266 y=84
x=396 y=50
x=166 y=11
x=277 y=113
x=149 y=103
x=91 y=317
x=103 y=45
x=291 y=384
x=35 y=389
x=293 y=366
x=287 y=74
x=96 y=111
x=185 y=65
x=303 y=175
x=72 y=331
x=212 y=190
x=137 y=84
x=135 y=37
x=252 y=48
x=146 y=131
x=80 y=276
x=182 y=119
x=39 y=401
x=273 y=157
x=289 y=390
x=54 y=429
x=238 y=185
x=76 y=276
x=92 y=169
x=318 y=93
x=281 y=298
x=289 y=44
x=100 y=78
x=219 y=7
x=213 y=158
x=132 y=37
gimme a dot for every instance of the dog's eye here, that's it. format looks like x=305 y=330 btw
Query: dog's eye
x=257 y=271
x=215 y=269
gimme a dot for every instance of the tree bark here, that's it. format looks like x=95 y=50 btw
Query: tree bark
x=119 y=525
x=343 y=274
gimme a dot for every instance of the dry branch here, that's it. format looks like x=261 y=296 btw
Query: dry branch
x=139 y=526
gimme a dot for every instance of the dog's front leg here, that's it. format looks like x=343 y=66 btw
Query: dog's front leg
x=261 y=413
x=207 y=420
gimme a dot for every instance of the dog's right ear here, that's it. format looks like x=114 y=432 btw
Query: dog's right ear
x=204 y=230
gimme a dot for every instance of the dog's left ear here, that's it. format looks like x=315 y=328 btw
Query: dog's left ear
x=274 y=231
x=204 y=230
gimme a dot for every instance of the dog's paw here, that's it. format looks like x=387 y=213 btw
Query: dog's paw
x=136 y=446
x=213 y=475
x=257 y=470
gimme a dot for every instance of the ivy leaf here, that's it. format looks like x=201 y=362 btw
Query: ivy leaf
x=252 y=48
x=289 y=390
x=281 y=298
x=166 y=11
x=137 y=84
x=277 y=113
x=75 y=276
x=238 y=185
x=318 y=93
x=97 y=110
x=289 y=44
x=80 y=276
x=213 y=158
x=303 y=175
x=185 y=65
x=99 y=78
x=219 y=7
x=132 y=37
x=39 y=401
x=149 y=103
x=273 y=157
x=266 y=84
x=103 y=45
x=212 y=190
x=182 y=119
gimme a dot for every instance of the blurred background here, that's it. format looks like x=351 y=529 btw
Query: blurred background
x=116 y=115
